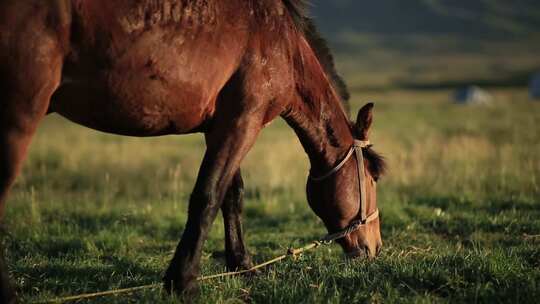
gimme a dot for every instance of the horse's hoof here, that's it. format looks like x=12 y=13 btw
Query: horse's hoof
x=239 y=264
x=187 y=289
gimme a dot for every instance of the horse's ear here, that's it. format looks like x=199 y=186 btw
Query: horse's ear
x=363 y=121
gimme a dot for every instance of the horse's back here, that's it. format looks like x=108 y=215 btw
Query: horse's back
x=155 y=67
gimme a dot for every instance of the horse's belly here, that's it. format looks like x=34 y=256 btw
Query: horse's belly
x=133 y=107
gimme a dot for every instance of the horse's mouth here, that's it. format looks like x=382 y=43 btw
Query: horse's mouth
x=359 y=253
x=363 y=252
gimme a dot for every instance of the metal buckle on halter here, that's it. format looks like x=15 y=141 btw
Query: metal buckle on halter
x=362 y=143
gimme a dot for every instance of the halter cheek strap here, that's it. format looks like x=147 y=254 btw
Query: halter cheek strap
x=357 y=146
x=335 y=169
x=364 y=219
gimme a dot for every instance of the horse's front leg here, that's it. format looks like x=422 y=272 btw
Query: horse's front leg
x=227 y=143
x=236 y=252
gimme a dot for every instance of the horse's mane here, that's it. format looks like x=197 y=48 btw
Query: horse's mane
x=377 y=164
x=298 y=12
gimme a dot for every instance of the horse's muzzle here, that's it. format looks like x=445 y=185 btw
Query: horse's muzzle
x=364 y=252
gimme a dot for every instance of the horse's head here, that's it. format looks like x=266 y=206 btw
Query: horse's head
x=345 y=198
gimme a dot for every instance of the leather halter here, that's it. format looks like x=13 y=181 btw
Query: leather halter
x=364 y=218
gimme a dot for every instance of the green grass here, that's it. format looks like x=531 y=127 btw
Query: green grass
x=461 y=211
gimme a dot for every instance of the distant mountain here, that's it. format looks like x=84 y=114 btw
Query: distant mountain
x=490 y=19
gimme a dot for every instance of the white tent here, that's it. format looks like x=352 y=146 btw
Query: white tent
x=534 y=86
x=472 y=95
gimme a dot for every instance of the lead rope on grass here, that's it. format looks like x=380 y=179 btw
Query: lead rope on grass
x=291 y=252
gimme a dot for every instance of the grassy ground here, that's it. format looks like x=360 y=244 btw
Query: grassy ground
x=461 y=210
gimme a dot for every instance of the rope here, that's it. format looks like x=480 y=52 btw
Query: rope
x=98 y=294
x=290 y=253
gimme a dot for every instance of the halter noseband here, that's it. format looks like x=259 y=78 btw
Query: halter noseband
x=364 y=218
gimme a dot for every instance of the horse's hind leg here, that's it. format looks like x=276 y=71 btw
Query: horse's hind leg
x=236 y=252
x=30 y=71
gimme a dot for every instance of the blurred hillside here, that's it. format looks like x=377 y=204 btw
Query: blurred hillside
x=426 y=44
x=468 y=18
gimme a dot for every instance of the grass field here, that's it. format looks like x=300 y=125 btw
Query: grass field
x=461 y=210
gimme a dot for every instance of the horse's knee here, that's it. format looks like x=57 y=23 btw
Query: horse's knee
x=202 y=201
x=9 y=164
x=13 y=148
x=5 y=181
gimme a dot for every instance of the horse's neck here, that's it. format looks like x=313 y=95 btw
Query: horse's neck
x=317 y=115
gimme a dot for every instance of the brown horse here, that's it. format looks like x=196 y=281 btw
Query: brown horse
x=222 y=68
